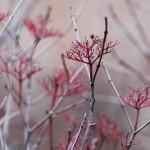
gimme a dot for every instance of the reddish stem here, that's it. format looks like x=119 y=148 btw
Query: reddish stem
x=54 y=95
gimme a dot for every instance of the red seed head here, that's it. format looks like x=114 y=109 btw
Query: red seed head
x=92 y=36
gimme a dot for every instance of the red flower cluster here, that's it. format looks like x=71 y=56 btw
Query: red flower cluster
x=20 y=68
x=89 y=51
x=57 y=82
x=35 y=26
x=137 y=98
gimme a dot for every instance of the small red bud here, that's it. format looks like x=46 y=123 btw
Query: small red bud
x=92 y=36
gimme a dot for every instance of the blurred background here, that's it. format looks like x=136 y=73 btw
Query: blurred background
x=128 y=22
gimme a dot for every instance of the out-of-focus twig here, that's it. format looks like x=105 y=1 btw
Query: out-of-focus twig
x=11 y=17
x=138 y=74
x=128 y=34
x=78 y=134
x=118 y=96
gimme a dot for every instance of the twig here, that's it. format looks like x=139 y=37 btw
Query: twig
x=3 y=101
x=117 y=94
x=39 y=138
x=11 y=17
x=69 y=139
x=51 y=132
x=70 y=107
x=9 y=100
x=134 y=133
x=65 y=67
x=79 y=132
x=138 y=74
x=4 y=146
x=142 y=127
x=103 y=47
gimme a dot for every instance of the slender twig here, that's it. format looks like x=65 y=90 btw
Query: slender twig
x=69 y=139
x=138 y=74
x=40 y=138
x=103 y=47
x=134 y=133
x=65 y=67
x=117 y=94
x=142 y=127
x=79 y=132
x=11 y=17
x=70 y=106
x=3 y=101
x=9 y=100
x=51 y=132
x=2 y=140
x=17 y=113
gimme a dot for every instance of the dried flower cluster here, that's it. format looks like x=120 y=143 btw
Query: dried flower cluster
x=56 y=84
x=137 y=98
x=89 y=51
x=19 y=69
x=35 y=25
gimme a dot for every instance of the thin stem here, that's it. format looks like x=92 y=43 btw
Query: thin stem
x=10 y=98
x=20 y=92
x=103 y=48
x=90 y=118
x=4 y=101
x=11 y=18
x=79 y=132
x=136 y=73
x=51 y=132
x=70 y=106
x=117 y=94
x=65 y=67
x=134 y=133
x=69 y=139
x=143 y=126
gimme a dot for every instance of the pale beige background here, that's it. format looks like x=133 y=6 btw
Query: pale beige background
x=91 y=21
